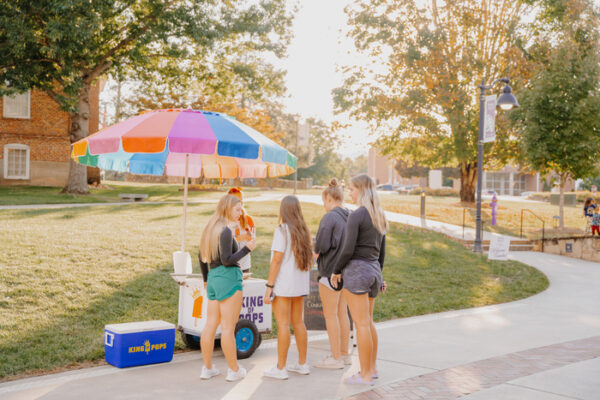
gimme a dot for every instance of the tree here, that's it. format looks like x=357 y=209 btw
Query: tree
x=428 y=57
x=560 y=108
x=63 y=46
x=326 y=163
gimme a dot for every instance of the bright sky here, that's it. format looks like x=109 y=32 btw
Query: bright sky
x=316 y=49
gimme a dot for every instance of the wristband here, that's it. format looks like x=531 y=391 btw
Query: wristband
x=269 y=286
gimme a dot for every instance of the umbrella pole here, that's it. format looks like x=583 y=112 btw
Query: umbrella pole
x=185 y=195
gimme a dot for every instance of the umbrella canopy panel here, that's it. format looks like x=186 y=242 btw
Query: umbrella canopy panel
x=155 y=143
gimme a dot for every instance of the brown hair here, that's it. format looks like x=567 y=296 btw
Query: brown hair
x=209 y=241
x=369 y=199
x=290 y=214
x=334 y=191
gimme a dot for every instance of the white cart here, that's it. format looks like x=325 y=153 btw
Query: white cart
x=255 y=317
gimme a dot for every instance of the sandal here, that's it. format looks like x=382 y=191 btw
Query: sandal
x=357 y=380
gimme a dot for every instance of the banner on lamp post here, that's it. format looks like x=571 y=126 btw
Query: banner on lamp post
x=489 y=128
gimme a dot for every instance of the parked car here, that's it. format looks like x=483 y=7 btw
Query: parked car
x=385 y=187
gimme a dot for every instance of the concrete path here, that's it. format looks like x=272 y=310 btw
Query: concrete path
x=543 y=347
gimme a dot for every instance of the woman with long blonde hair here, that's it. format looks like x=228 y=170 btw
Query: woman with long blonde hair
x=360 y=264
x=219 y=257
x=288 y=283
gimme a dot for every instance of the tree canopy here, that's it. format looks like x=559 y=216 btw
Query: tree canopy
x=420 y=92
x=63 y=46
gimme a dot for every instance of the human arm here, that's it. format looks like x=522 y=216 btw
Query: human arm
x=203 y=268
x=382 y=252
x=273 y=272
x=350 y=237
x=323 y=240
x=228 y=258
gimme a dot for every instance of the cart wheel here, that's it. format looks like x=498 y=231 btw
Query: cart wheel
x=190 y=341
x=247 y=338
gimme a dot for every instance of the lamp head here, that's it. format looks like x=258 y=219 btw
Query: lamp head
x=507 y=100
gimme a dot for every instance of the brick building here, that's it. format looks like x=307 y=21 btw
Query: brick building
x=34 y=138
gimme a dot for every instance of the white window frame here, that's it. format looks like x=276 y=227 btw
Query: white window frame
x=8 y=147
x=27 y=116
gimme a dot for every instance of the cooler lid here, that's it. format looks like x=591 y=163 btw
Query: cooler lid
x=142 y=326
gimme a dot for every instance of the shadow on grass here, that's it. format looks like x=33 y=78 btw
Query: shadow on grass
x=77 y=336
x=76 y=211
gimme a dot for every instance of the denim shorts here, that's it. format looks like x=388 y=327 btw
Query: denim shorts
x=362 y=276
x=223 y=282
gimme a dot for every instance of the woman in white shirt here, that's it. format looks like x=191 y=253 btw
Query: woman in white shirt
x=288 y=283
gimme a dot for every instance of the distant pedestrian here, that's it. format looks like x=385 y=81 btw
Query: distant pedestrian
x=595 y=225
x=288 y=283
x=328 y=244
x=589 y=206
x=360 y=264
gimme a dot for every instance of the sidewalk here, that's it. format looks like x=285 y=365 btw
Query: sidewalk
x=494 y=352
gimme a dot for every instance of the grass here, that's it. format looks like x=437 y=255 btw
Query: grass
x=450 y=210
x=68 y=272
x=109 y=192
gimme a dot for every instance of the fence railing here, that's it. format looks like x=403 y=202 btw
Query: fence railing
x=539 y=218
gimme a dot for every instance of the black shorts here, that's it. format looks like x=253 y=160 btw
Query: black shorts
x=362 y=276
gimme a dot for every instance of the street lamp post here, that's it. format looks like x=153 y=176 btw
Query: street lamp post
x=506 y=101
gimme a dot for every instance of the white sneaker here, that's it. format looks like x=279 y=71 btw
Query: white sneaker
x=347 y=359
x=276 y=373
x=301 y=369
x=236 y=375
x=209 y=373
x=330 y=363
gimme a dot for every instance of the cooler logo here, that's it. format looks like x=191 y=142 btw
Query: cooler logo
x=147 y=347
x=197 y=309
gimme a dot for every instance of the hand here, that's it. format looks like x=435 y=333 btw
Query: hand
x=383 y=287
x=243 y=237
x=268 y=293
x=251 y=244
x=315 y=256
x=335 y=280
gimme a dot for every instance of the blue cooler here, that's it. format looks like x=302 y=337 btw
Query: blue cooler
x=139 y=343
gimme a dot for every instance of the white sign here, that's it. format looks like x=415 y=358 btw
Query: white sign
x=499 y=247
x=435 y=178
x=489 y=116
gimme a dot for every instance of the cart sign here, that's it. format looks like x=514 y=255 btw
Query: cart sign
x=489 y=128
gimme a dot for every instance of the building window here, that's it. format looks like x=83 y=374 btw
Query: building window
x=17 y=106
x=16 y=161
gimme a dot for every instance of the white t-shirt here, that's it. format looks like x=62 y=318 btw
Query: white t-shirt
x=291 y=281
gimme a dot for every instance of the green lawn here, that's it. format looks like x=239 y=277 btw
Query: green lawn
x=450 y=209
x=68 y=272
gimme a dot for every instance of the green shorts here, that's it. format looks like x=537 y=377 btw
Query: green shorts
x=223 y=282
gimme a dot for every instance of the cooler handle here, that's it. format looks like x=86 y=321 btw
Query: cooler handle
x=108 y=342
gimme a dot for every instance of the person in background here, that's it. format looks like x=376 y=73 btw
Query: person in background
x=588 y=212
x=328 y=244
x=360 y=264
x=219 y=256
x=245 y=231
x=288 y=283
x=595 y=224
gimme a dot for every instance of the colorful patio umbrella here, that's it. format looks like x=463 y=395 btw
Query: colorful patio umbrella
x=187 y=143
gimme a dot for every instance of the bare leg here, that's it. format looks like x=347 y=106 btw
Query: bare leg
x=299 y=328
x=330 y=299
x=207 y=339
x=373 y=337
x=359 y=308
x=344 y=322
x=282 y=308
x=230 y=313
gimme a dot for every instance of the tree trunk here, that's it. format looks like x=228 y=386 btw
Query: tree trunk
x=80 y=128
x=468 y=181
x=561 y=203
